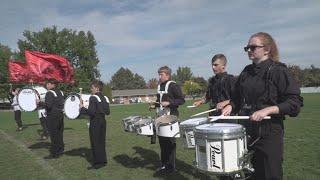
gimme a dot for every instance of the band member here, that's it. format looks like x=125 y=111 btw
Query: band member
x=265 y=88
x=42 y=117
x=16 y=109
x=220 y=86
x=98 y=108
x=169 y=97
x=54 y=107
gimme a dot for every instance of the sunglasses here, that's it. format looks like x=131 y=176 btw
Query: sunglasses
x=251 y=48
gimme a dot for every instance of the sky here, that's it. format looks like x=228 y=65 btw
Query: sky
x=143 y=35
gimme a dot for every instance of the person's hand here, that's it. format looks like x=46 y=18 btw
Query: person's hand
x=222 y=104
x=259 y=115
x=226 y=111
x=165 y=103
x=198 y=103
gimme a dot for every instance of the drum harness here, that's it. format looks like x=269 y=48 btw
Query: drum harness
x=249 y=109
x=163 y=110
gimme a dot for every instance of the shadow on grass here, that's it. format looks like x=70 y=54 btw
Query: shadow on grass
x=40 y=145
x=150 y=160
x=81 y=152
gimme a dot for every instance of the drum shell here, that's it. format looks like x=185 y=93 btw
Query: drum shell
x=220 y=151
x=168 y=129
x=144 y=127
x=130 y=123
x=187 y=130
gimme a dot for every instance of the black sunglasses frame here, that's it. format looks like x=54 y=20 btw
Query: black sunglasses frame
x=251 y=47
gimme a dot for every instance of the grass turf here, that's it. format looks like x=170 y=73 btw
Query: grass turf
x=133 y=157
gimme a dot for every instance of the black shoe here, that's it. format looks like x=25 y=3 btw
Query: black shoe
x=171 y=170
x=96 y=166
x=162 y=168
x=52 y=156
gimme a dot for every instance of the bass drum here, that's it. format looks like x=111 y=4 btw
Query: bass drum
x=27 y=97
x=72 y=105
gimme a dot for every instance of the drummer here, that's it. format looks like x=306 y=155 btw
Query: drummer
x=54 y=105
x=16 y=108
x=169 y=97
x=220 y=86
x=265 y=88
x=98 y=108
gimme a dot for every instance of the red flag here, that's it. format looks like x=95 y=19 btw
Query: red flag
x=18 y=72
x=47 y=66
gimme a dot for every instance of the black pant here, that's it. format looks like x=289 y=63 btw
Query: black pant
x=268 y=150
x=55 y=126
x=44 y=126
x=17 y=118
x=168 y=151
x=97 y=133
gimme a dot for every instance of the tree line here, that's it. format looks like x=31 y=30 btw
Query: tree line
x=79 y=49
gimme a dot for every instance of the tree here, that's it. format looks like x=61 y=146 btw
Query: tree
x=152 y=83
x=311 y=77
x=191 y=88
x=78 y=48
x=296 y=73
x=202 y=83
x=183 y=74
x=125 y=79
x=5 y=54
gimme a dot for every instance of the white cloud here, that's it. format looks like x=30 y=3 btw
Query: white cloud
x=143 y=36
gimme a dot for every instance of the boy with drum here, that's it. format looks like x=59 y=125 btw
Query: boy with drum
x=220 y=86
x=98 y=108
x=169 y=97
x=16 y=109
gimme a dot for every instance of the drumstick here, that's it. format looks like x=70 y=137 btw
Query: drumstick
x=204 y=112
x=215 y=118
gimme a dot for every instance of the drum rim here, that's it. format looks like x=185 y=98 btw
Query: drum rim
x=229 y=136
x=36 y=92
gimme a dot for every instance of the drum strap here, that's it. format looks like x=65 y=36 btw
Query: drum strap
x=99 y=100
x=161 y=93
x=55 y=94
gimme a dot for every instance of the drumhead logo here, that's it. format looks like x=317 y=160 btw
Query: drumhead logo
x=214 y=151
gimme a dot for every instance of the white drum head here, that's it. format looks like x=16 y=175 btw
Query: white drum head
x=27 y=99
x=72 y=106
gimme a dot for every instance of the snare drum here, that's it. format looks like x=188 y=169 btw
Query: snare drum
x=72 y=105
x=27 y=97
x=144 y=126
x=186 y=128
x=167 y=126
x=220 y=147
x=128 y=123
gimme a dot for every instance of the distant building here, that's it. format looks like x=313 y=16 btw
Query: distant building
x=134 y=96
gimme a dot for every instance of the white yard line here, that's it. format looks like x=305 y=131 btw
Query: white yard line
x=44 y=164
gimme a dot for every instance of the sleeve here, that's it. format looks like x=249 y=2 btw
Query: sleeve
x=235 y=100
x=158 y=101
x=106 y=108
x=208 y=96
x=229 y=87
x=48 y=103
x=290 y=101
x=91 y=111
x=178 y=97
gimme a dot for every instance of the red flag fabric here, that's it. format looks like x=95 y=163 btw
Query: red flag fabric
x=46 y=66
x=18 y=72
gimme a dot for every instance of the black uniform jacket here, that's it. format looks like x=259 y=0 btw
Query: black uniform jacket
x=97 y=110
x=53 y=104
x=174 y=96
x=220 y=88
x=266 y=84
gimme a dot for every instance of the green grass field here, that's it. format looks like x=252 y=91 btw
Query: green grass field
x=133 y=157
